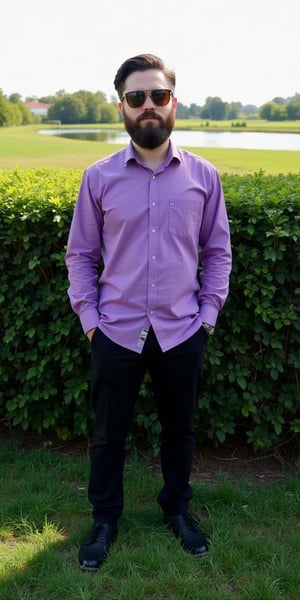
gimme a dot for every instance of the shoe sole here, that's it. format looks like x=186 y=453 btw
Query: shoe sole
x=89 y=569
x=199 y=554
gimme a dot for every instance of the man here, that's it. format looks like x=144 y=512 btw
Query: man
x=146 y=211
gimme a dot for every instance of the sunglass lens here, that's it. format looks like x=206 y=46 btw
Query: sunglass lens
x=136 y=99
x=160 y=97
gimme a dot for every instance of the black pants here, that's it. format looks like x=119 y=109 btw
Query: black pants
x=117 y=374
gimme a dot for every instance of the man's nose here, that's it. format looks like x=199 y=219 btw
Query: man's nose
x=148 y=102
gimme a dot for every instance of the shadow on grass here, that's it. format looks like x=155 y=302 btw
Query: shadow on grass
x=42 y=564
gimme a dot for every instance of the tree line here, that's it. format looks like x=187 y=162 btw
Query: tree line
x=280 y=109
x=13 y=111
x=89 y=107
x=214 y=109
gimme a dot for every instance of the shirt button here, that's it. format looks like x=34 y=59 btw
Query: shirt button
x=152 y=284
x=153 y=230
x=153 y=257
x=153 y=203
x=151 y=312
x=153 y=176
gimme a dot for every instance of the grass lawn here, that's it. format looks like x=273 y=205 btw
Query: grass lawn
x=253 y=530
x=23 y=147
x=234 y=125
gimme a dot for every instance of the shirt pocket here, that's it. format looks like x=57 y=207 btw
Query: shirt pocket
x=185 y=216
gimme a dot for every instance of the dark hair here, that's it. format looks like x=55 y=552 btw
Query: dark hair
x=142 y=62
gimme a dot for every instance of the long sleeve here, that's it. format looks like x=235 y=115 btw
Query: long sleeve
x=83 y=256
x=215 y=254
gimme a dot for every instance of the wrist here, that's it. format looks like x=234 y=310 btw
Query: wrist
x=90 y=333
x=208 y=328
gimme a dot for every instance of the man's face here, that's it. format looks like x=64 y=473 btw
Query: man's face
x=149 y=125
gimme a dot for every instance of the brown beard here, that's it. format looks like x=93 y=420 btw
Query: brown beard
x=149 y=135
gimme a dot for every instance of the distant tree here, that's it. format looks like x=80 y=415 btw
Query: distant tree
x=4 y=110
x=214 y=109
x=15 y=98
x=109 y=113
x=218 y=109
x=101 y=96
x=204 y=114
x=182 y=111
x=293 y=111
x=93 y=105
x=249 y=109
x=27 y=116
x=279 y=100
x=194 y=111
x=60 y=93
x=47 y=99
x=273 y=112
x=265 y=111
x=280 y=114
x=15 y=114
x=293 y=107
x=68 y=109
x=233 y=110
x=10 y=112
x=205 y=111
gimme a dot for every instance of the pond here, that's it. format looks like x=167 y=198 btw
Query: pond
x=199 y=139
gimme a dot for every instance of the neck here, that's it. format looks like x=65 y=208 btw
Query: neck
x=152 y=158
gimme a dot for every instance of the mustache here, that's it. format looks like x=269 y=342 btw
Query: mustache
x=149 y=113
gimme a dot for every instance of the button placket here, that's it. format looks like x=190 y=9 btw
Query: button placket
x=153 y=245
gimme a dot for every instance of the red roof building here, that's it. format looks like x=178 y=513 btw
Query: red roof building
x=38 y=108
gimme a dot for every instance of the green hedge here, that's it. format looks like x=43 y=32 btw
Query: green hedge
x=252 y=365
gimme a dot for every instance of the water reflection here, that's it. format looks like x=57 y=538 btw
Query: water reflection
x=199 y=139
x=95 y=136
x=91 y=135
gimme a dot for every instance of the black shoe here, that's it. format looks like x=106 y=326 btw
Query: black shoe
x=186 y=530
x=94 y=549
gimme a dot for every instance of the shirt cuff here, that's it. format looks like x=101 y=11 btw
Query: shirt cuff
x=89 y=319
x=208 y=314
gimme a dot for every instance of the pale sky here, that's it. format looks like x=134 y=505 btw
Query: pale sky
x=247 y=51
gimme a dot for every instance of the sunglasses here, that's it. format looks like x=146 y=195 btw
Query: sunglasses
x=137 y=98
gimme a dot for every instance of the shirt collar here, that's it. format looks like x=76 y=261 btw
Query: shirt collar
x=172 y=154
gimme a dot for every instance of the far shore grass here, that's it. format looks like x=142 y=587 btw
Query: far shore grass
x=24 y=147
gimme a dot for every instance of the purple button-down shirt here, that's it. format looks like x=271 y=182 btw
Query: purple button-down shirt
x=152 y=230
